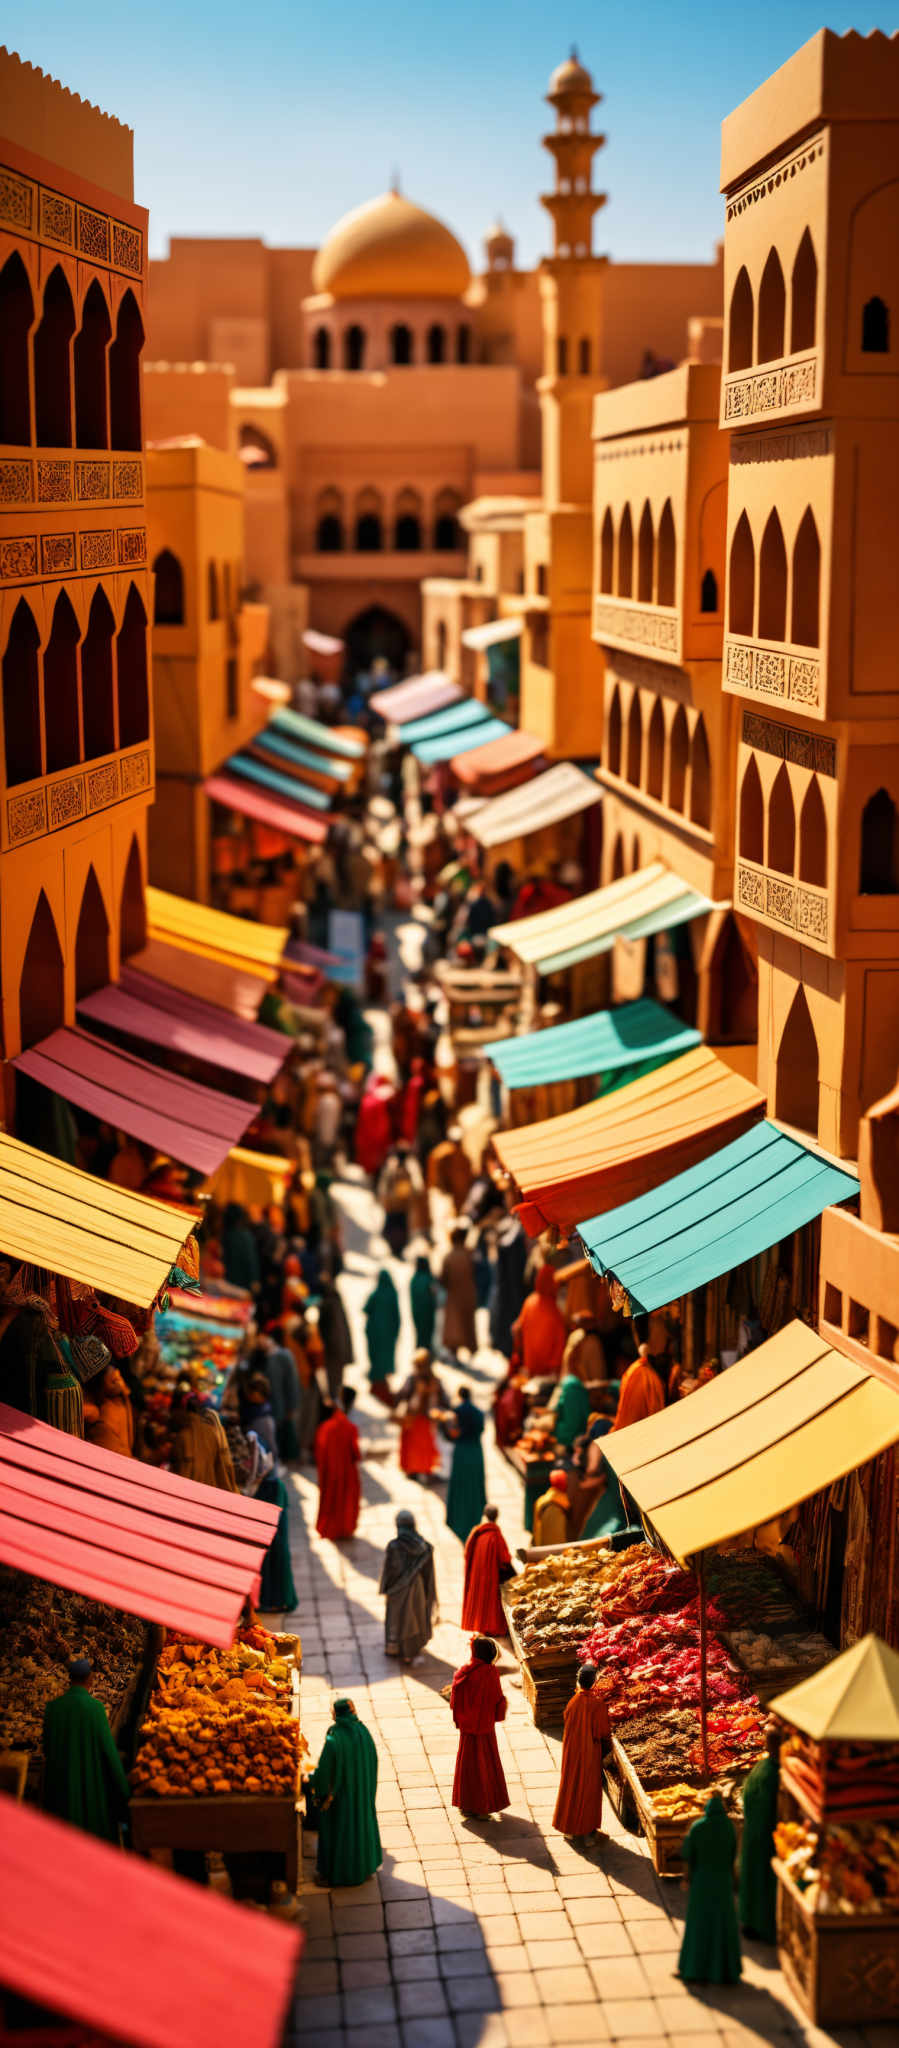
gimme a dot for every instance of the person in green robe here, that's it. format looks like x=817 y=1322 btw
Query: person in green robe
x=344 y=1786
x=758 y=1884
x=277 y=1592
x=710 y=1950
x=423 y=1302
x=382 y=1328
x=84 y=1779
x=467 y=1491
x=571 y=1407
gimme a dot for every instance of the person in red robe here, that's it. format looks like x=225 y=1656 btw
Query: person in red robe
x=478 y=1702
x=508 y=1404
x=579 y=1804
x=487 y=1563
x=337 y=1458
x=642 y=1392
x=411 y=1100
x=374 y=1123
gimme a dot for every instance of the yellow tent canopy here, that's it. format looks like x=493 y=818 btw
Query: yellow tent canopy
x=253 y=1178
x=233 y=940
x=55 y=1216
x=854 y=1699
x=782 y=1424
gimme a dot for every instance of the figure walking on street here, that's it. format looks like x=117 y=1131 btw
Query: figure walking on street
x=344 y=1786
x=478 y=1703
x=382 y=1328
x=337 y=1458
x=710 y=1950
x=587 y=1734
x=487 y=1564
x=458 y=1278
x=467 y=1491
x=407 y=1578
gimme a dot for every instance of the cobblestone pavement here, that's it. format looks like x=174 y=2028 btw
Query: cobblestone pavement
x=477 y=1935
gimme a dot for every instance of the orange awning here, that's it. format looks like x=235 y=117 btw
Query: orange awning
x=501 y=764
x=593 y=1159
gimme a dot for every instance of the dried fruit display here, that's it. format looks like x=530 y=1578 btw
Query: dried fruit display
x=220 y=1721
x=552 y=1602
x=842 y=1869
x=42 y=1628
x=847 y=1775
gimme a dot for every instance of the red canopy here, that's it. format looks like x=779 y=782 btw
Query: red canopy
x=195 y=1125
x=501 y=764
x=158 y=1014
x=117 y=1530
x=282 y=816
x=116 y=1944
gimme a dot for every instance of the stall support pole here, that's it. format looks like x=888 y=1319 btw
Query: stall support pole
x=703 y=1667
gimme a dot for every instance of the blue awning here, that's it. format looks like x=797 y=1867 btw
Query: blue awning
x=429 y=752
x=317 y=735
x=453 y=718
x=277 y=742
x=730 y=1207
x=271 y=778
x=641 y=1033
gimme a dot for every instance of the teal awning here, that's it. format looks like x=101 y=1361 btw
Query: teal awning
x=276 y=742
x=453 y=718
x=271 y=778
x=315 y=734
x=641 y=1033
x=429 y=752
x=702 y=1223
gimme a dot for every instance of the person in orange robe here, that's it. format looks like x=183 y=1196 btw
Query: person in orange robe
x=579 y=1803
x=337 y=1458
x=478 y=1702
x=642 y=1392
x=540 y=1332
x=486 y=1556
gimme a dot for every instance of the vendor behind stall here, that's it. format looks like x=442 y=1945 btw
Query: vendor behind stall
x=84 y=1780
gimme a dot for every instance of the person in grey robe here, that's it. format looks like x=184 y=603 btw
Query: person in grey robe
x=407 y=1578
x=334 y=1331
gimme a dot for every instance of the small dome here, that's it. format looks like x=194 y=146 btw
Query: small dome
x=389 y=248
x=570 y=77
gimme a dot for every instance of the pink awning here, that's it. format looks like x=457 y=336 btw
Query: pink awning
x=267 y=810
x=415 y=699
x=310 y=956
x=192 y=1124
x=81 y=1925
x=140 y=1007
x=235 y=989
x=172 y=1551
x=322 y=643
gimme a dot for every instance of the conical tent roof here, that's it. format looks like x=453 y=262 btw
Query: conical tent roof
x=853 y=1699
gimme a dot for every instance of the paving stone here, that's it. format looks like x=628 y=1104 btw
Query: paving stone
x=472 y=1994
x=635 y=2017
x=576 y=2023
x=571 y=1985
x=604 y=1938
x=551 y=1919
x=426 y=1999
x=358 y=1948
x=481 y=2030
x=465 y=1936
x=408 y=1912
x=507 y=1956
x=413 y=1941
x=309 y=2014
x=316 y=1979
x=517 y=1988
x=414 y=1969
x=428 y=2033
x=618 y=1977
x=363 y=2007
x=527 y=2028
x=689 y=2015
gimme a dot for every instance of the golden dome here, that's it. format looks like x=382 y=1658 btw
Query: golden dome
x=570 y=77
x=389 y=248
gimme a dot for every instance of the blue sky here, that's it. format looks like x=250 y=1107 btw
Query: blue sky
x=275 y=119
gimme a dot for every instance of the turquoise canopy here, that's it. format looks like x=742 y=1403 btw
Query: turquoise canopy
x=452 y=743
x=638 y=1034
x=302 y=757
x=271 y=778
x=702 y=1223
x=453 y=718
x=317 y=735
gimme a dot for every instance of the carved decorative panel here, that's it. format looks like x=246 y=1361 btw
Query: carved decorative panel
x=98 y=549
x=65 y=802
x=751 y=888
x=102 y=785
x=57 y=219
x=18 y=558
x=788 y=743
x=793 y=677
x=16 y=483
x=93 y=234
x=132 y=542
x=57 y=553
x=127 y=248
x=135 y=772
x=650 y=627
x=25 y=816
x=767 y=391
x=34 y=209
x=127 y=480
x=802 y=910
x=54 y=483
x=16 y=201
x=779 y=174
x=92 y=479
x=799 y=444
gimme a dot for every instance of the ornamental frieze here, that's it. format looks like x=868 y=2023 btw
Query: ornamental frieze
x=650 y=627
x=29 y=208
x=746 y=398
x=788 y=743
x=802 y=910
x=795 y=678
x=779 y=174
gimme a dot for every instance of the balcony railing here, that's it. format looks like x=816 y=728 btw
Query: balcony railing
x=31 y=810
x=654 y=628
x=787 y=904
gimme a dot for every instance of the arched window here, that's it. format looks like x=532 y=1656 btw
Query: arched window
x=813 y=837
x=782 y=824
x=354 y=348
x=448 y=535
x=804 y=626
x=91 y=940
x=463 y=343
x=700 y=776
x=321 y=349
x=53 y=365
x=796 y=1100
x=561 y=355
x=21 y=701
x=255 y=449
x=772 y=310
x=708 y=592
x=879 y=872
x=131 y=668
x=739 y=355
x=583 y=356
x=16 y=316
x=96 y=679
x=645 y=551
x=42 y=980
x=773 y=582
x=876 y=328
x=636 y=855
x=751 y=838
x=436 y=343
x=803 y=296
x=678 y=756
x=132 y=907
x=401 y=344
x=329 y=534
x=168 y=596
x=369 y=537
x=407 y=523
x=634 y=740
x=617 y=859
x=742 y=577
x=124 y=376
x=61 y=688
x=656 y=771
x=91 y=343
x=213 y=607
x=613 y=733
x=607 y=552
x=667 y=550
x=625 y=554
x=733 y=989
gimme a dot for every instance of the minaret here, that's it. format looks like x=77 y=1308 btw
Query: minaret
x=571 y=291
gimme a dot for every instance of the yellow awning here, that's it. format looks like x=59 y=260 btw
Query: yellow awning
x=782 y=1424
x=648 y=901
x=69 y=1222
x=854 y=1699
x=253 y=1178
x=233 y=940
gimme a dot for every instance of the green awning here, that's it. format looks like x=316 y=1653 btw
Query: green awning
x=641 y=1033
x=285 y=749
x=449 y=744
x=453 y=718
x=703 y=1222
x=311 y=730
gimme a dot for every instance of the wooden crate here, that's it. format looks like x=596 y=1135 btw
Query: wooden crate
x=547 y=1681
x=664 y=1836
x=843 y=1968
